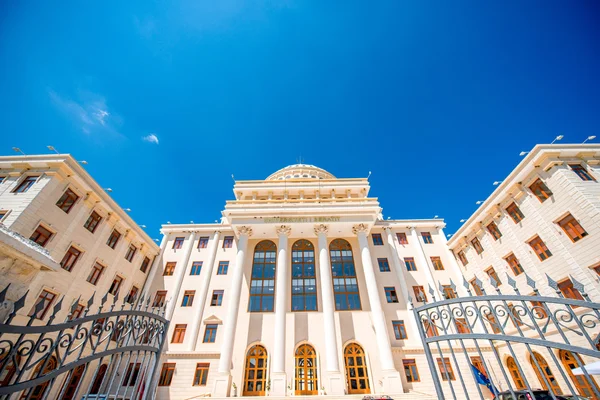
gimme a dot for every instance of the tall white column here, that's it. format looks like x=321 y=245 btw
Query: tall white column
x=332 y=365
x=179 y=275
x=278 y=375
x=223 y=380
x=425 y=265
x=392 y=382
x=200 y=300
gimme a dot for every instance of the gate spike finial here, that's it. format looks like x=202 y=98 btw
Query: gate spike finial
x=478 y=282
x=37 y=309
x=75 y=304
x=494 y=282
x=20 y=303
x=452 y=285
x=431 y=291
x=3 y=293
x=466 y=283
x=577 y=285
x=103 y=300
x=511 y=282
x=57 y=307
x=530 y=282
x=552 y=283
x=91 y=300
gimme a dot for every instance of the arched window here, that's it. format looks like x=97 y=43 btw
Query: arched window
x=10 y=368
x=262 y=285
x=256 y=371
x=356 y=369
x=584 y=387
x=72 y=382
x=98 y=379
x=37 y=393
x=547 y=373
x=515 y=374
x=304 y=283
x=345 y=285
x=306 y=371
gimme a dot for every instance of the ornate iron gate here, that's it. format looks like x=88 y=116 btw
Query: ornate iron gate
x=509 y=342
x=113 y=354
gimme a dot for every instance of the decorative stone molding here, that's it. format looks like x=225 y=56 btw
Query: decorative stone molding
x=284 y=230
x=364 y=228
x=244 y=230
x=321 y=228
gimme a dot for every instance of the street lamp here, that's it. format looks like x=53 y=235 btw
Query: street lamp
x=18 y=150
x=127 y=209
x=82 y=162
x=523 y=153
x=589 y=138
x=556 y=139
x=478 y=202
x=462 y=220
x=108 y=190
x=496 y=183
x=51 y=148
x=143 y=226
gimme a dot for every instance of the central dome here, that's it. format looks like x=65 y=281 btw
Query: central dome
x=300 y=171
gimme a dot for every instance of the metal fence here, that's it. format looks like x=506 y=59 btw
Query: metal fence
x=482 y=344
x=112 y=354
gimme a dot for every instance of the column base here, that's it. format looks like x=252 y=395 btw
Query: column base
x=335 y=381
x=278 y=384
x=392 y=382
x=222 y=385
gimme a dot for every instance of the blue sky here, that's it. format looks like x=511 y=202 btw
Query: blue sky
x=436 y=98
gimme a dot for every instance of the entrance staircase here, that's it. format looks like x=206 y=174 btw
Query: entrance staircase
x=398 y=396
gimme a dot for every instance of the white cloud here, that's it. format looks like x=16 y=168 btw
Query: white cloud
x=151 y=138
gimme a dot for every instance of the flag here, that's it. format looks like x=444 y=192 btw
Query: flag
x=484 y=380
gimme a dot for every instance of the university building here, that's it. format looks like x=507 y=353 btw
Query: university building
x=304 y=288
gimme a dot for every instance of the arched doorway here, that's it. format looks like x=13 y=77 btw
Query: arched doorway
x=72 y=382
x=515 y=374
x=98 y=380
x=256 y=371
x=37 y=392
x=306 y=371
x=584 y=387
x=550 y=378
x=356 y=369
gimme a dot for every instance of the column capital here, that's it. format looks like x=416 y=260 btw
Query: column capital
x=360 y=228
x=387 y=228
x=283 y=230
x=244 y=230
x=321 y=229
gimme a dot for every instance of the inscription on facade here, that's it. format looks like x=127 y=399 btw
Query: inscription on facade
x=279 y=220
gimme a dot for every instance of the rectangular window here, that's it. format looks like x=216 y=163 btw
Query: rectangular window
x=210 y=333
x=145 y=264
x=514 y=315
x=567 y=289
x=538 y=308
x=166 y=374
x=478 y=364
x=427 y=239
x=476 y=287
x=572 y=228
x=178 y=243
x=410 y=264
x=581 y=172
x=491 y=272
x=437 y=263
x=179 y=333
x=131 y=376
x=462 y=325
x=597 y=269
x=227 y=242
x=217 y=298
x=130 y=253
x=188 y=298
x=431 y=329
x=540 y=190
x=377 y=239
x=44 y=301
x=3 y=213
x=223 y=266
x=77 y=312
x=201 y=374
x=67 y=200
x=203 y=242
x=25 y=184
x=70 y=259
x=41 y=235
x=196 y=268
x=115 y=285
x=132 y=295
x=92 y=222
x=463 y=258
x=391 y=295
x=477 y=246
x=384 y=265
x=169 y=269
x=493 y=322
x=96 y=273
x=402 y=238
x=113 y=239
x=539 y=247
x=494 y=231
x=449 y=293
x=399 y=330
x=410 y=370
x=159 y=298
x=445 y=369
x=514 y=264
x=419 y=292
x=345 y=282
x=515 y=213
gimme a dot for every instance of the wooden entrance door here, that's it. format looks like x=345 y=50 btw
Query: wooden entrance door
x=547 y=373
x=584 y=387
x=306 y=371
x=72 y=382
x=356 y=370
x=256 y=372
